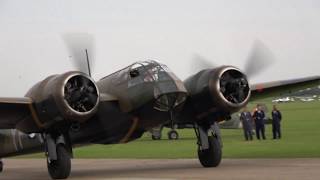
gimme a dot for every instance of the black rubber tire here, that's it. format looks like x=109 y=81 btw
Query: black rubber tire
x=156 y=137
x=1 y=166
x=173 y=135
x=60 y=168
x=211 y=157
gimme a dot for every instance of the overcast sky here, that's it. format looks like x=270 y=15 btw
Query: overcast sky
x=170 y=31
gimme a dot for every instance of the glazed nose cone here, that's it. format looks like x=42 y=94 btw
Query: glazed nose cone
x=169 y=95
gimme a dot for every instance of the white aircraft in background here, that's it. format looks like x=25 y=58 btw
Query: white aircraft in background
x=286 y=99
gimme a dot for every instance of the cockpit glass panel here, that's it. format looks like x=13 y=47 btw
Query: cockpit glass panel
x=149 y=71
x=136 y=66
x=165 y=68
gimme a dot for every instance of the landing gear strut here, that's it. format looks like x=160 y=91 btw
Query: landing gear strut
x=59 y=153
x=209 y=145
x=173 y=134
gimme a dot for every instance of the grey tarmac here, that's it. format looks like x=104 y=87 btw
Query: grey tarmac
x=168 y=169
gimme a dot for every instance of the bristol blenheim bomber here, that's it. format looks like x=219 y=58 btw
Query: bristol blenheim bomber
x=71 y=110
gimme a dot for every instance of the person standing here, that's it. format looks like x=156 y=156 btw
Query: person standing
x=276 y=119
x=259 y=117
x=247 y=126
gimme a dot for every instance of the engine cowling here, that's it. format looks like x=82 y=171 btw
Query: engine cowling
x=220 y=91
x=65 y=98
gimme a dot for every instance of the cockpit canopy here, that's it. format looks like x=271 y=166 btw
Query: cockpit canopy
x=168 y=90
x=149 y=71
x=148 y=80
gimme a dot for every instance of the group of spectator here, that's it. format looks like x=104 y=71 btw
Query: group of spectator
x=257 y=120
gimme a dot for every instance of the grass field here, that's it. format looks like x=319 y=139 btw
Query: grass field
x=301 y=139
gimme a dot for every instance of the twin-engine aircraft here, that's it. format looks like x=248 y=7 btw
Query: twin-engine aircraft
x=70 y=110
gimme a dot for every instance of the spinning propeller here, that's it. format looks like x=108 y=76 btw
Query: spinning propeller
x=81 y=50
x=259 y=59
x=233 y=84
x=80 y=91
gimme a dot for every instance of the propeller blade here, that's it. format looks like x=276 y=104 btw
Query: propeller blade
x=81 y=50
x=200 y=63
x=260 y=58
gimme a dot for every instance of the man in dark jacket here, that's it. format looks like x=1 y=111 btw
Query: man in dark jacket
x=276 y=119
x=259 y=117
x=247 y=124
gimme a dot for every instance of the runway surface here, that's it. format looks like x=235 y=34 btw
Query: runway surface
x=240 y=169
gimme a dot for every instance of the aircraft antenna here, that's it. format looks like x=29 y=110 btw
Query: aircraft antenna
x=88 y=62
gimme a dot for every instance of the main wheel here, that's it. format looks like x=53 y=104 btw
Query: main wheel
x=60 y=168
x=211 y=157
x=173 y=135
x=1 y=166
x=154 y=137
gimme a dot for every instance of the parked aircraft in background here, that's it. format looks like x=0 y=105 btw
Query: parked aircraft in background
x=280 y=100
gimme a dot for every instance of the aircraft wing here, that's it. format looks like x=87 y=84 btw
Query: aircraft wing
x=13 y=110
x=279 y=88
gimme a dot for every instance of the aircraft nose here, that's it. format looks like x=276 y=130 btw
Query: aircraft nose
x=169 y=95
x=170 y=101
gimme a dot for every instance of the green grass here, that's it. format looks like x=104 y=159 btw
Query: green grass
x=301 y=139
